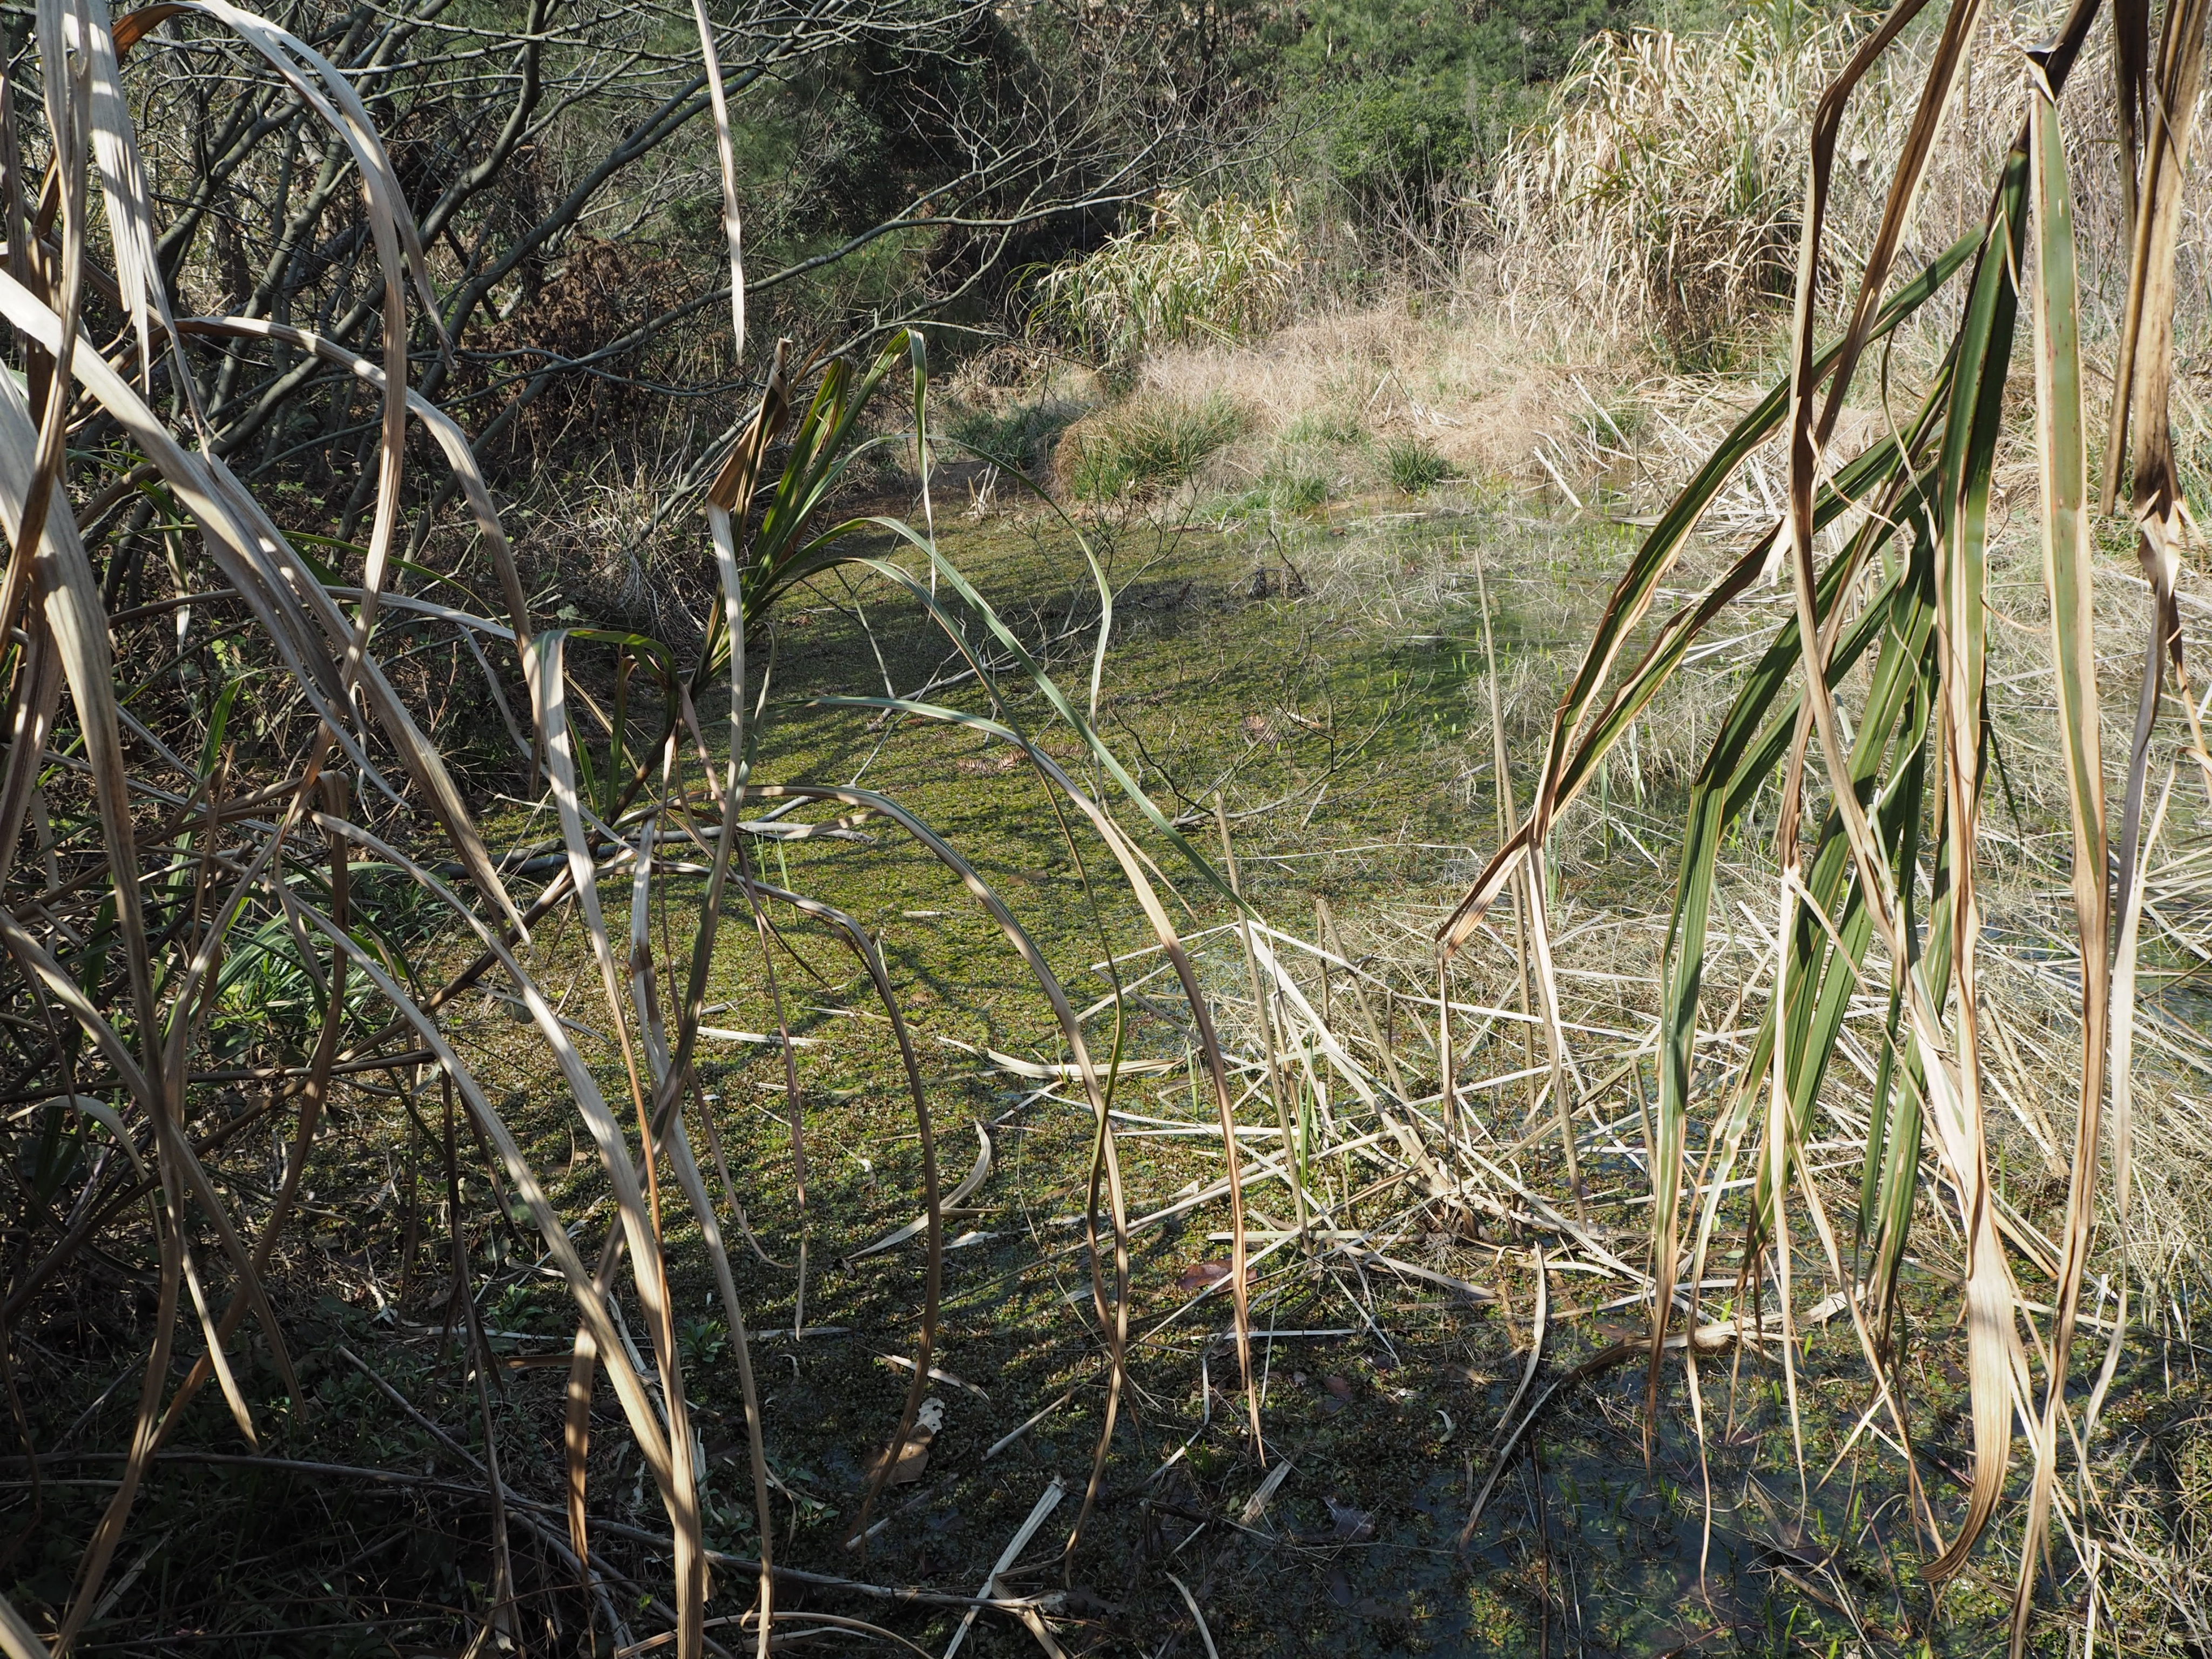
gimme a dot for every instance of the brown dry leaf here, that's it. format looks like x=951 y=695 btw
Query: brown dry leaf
x=1201 y=1274
x=912 y=1459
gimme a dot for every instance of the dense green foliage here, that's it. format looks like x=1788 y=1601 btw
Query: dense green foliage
x=1395 y=100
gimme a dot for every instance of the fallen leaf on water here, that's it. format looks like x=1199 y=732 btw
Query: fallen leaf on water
x=914 y=1455
x=1350 y=1525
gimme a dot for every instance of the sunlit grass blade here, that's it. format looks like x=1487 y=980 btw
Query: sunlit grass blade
x=1752 y=743
x=1961 y=494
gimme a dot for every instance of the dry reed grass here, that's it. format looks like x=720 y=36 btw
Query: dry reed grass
x=1481 y=392
x=1628 y=265
x=1662 y=201
x=1921 y=495
x=1218 y=268
x=1660 y=195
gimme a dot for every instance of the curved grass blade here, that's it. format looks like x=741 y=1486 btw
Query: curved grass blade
x=2068 y=551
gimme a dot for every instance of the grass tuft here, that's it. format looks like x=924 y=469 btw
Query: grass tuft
x=1021 y=437
x=1414 y=467
x=1143 y=447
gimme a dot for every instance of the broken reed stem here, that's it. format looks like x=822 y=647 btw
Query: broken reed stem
x=478 y=1360
x=1333 y=941
x=1448 y=1097
x=1266 y=1025
x=1321 y=910
x=1506 y=815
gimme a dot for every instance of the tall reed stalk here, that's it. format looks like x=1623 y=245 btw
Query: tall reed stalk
x=1879 y=836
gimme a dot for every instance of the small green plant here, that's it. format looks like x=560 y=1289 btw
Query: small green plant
x=510 y=1310
x=1414 y=467
x=702 y=1342
x=1294 y=491
x=1144 y=446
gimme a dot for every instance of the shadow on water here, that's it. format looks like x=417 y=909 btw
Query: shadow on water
x=1581 y=1549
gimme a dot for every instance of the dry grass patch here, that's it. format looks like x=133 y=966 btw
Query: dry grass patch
x=1464 y=382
